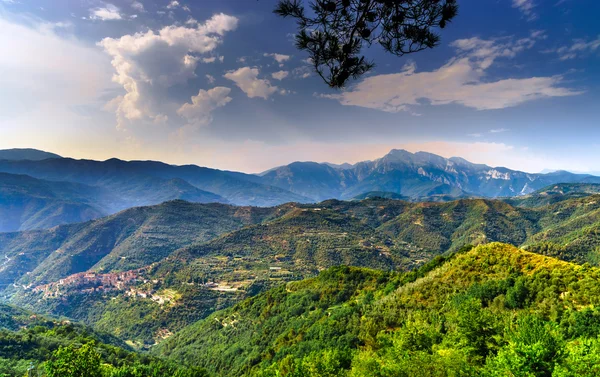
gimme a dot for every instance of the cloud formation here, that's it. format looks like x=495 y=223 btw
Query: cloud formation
x=247 y=80
x=199 y=111
x=280 y=75
x=107 y=13
x=577 y=49
x=279 y=58
x=138 y=6
x=173 y=4
x=462 y=80
x=526 y=7
x=147 y=64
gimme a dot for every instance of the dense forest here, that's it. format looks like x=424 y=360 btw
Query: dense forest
x=490 y=310
x=493 y=310
x=33 y=345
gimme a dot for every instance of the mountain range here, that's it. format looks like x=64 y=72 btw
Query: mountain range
x=150 y=271
x=63 y=190
x=164 y=259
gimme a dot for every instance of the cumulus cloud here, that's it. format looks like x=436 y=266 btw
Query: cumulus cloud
x=280 y=75
x=279 y=58
x=526 y=7
x=109 y=12
x=462 y=80
x=199 y=111
x=149 y=63
x=578 y=48
x=247 y=80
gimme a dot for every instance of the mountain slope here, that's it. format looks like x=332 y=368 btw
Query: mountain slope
x=415 y=175
x=130 y=239
x=26 y=154
x=554 y=194
x=29 y=341
x=310 y=179
x=419 y=176
x=27 y=203
x=489 y=311
x=147 y=182
x=281 y=244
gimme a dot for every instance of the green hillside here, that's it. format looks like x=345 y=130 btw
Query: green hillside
x=130 y=239
x=272 y=247
x=58 y=347
x=492 y=311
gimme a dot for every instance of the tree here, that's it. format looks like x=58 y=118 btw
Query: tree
x=71 y=362
x=336 y=31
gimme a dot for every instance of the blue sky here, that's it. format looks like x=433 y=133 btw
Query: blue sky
x=219 y=83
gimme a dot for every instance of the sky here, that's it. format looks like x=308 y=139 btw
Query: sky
x=219 y=83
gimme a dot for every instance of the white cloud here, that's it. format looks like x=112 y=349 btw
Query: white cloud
x=498 y=130
x=107 y=13
x=302 y=72
x=199 y=112
x=247 y=80
x=213 y=59
x=173 y=4
x=279 y=58
x=462 y=80
x=147 y=64
x=210 y=78
x=526 y=7
x=280 y=75
x=138 y=6
x=578 y=48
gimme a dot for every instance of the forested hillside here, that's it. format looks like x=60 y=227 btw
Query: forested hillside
x=136 y=277
x=493 y=310
x=130 y=239
x=38 y=345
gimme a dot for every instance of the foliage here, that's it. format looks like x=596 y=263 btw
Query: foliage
x=334 y=32
x=238 y=247
x=71 y=362
x=492 y=310
x=63 y=349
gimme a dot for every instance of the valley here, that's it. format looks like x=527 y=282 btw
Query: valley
x=181 y=278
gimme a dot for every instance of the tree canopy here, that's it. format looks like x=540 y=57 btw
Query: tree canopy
x=334 y=32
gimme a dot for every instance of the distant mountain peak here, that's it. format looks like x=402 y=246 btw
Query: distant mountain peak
x=17 y=154
x=343 y=166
